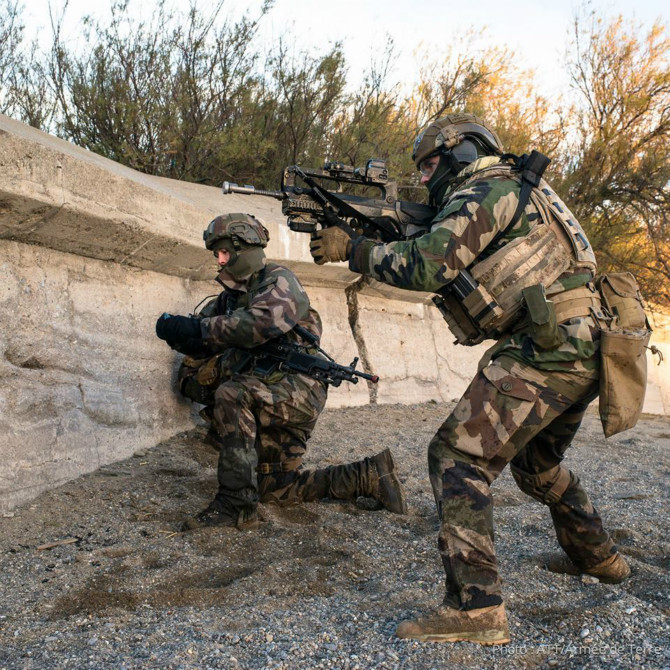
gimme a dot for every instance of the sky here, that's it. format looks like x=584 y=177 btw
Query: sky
x=537 y=31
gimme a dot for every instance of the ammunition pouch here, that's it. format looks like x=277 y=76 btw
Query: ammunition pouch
x=189 y=386
x=209 y=372
x=542 y=319
x=492 y=298
x=546 y=312
x=623 y=358
x=199 y=378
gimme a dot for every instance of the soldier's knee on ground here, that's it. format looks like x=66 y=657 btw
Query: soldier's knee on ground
x=548 y=487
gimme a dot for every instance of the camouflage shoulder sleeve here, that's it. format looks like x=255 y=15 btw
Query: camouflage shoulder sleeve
x=462 y=229
x=277 y=303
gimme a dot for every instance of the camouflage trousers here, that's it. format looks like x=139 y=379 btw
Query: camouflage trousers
x=264 y=428
x=514 y=413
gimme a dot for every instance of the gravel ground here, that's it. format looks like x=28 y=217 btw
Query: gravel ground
x=324 y=585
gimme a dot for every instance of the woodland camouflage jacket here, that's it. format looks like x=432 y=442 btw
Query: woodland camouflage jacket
x=472 y=214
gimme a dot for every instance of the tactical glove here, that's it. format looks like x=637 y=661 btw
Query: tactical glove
x=180 y=332
x=331 y=244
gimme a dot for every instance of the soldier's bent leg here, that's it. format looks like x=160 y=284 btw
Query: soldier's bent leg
x=374 y=477
x=237 y=496
x=538 y=473
x=498 y=414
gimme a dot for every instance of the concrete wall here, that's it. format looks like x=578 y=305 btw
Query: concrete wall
x=92 y=252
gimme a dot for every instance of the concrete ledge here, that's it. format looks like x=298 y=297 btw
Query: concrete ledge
x=93 y=252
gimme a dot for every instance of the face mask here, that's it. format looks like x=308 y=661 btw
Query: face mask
x=437 y=184
x=225 y=245
x=245 y=263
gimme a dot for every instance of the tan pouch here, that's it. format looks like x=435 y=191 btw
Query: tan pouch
x=210 y=372
x=623 y=378
x=621 y=298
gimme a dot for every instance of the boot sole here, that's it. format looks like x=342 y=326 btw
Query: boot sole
x=576 y=572
x=487 y=639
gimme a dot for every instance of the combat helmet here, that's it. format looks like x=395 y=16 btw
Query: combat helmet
x=243 y=230
x=244 y=237
x=458 y=139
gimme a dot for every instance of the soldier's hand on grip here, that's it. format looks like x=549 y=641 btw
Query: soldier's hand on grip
x=330 y=245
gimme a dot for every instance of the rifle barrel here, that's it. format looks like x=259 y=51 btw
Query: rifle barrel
x=248 y=189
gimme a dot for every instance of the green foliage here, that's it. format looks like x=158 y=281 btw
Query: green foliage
x=618 y=174
x=196 y=97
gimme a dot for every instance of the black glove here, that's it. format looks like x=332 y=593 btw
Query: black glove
x=180 y=332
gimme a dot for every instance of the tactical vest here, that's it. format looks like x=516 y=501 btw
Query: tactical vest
x=488 y=298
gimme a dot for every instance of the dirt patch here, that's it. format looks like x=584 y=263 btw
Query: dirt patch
x=324 y=584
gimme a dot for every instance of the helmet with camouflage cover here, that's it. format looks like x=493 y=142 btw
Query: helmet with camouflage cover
x=458 y=139
x=241 y=229
x=244 y=237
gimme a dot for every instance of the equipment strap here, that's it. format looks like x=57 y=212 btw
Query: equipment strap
x=575 y=303
x=269 y=468
x=531 y=168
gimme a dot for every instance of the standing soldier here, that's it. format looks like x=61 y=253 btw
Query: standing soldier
x=261 y=416
x=508 y=261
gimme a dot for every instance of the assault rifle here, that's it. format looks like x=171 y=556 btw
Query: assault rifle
x=305 y=197
x=293 y=357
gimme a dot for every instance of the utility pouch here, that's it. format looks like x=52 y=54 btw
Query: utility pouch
x=210 y=372
x=543 y=325
x=621 y=298
x=460 y=324
x=623 y=358
x=264 y=367
x=623 y=378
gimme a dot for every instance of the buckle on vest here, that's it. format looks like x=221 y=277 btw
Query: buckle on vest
x=267 y=468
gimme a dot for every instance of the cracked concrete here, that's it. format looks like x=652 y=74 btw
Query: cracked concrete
x=351 y=293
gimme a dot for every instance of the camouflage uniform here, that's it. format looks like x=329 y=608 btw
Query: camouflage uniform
x=261 y=418
x=524 y=405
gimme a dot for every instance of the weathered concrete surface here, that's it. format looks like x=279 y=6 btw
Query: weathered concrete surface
x=92 y=252
x=60 y=196
x=84 y=380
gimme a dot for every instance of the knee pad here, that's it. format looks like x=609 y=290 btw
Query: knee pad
x=548 y=487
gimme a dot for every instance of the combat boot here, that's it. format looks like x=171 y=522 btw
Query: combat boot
x=486 y=626
x=610 y=571
x=385 y=485
x=219 y=514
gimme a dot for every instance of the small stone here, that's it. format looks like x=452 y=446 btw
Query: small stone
x=269 y=637
x=590 y=579
x=585 y=632
x=630 y=610
x=553 y=663
x=93 y=640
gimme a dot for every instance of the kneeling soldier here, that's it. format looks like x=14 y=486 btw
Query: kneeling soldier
x=261 y=416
